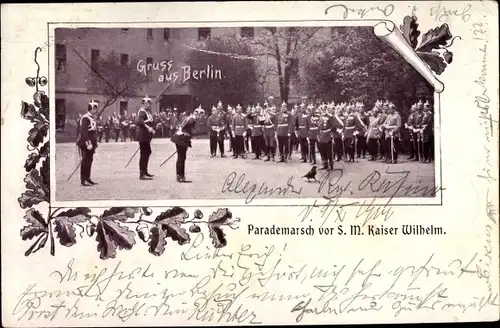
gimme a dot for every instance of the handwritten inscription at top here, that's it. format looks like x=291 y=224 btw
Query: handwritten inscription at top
x=440 y=13
x=359 y=12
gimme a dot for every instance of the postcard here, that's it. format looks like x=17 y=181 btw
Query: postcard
x=236 y=163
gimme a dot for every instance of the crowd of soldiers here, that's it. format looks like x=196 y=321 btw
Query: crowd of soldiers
x=123 y=128
x=338 y=131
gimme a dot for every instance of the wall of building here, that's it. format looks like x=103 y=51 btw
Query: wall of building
x=72 y=83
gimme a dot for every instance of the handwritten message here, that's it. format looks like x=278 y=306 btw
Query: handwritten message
x=486 y=176
x=238 y=287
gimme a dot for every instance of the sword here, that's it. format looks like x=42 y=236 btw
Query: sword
x=79 y=164
x=392 y=148
x=169 y=157
x=131 y=158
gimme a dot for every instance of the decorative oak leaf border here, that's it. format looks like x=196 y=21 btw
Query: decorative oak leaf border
x=117 y=227
x=433 y=46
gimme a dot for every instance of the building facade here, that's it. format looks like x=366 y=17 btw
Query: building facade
x=159 y=55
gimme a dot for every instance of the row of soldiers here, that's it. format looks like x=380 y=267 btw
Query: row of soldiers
x=123 y=128
x=336 y=130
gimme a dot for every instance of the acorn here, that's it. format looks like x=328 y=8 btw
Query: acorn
x=448 y=57
x=42 y=81
x=143 y=232
x=91 y=228
x=30 y=81
x=194 y=228
x=198 y=214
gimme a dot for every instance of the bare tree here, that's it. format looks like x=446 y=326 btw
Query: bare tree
x=115 y=78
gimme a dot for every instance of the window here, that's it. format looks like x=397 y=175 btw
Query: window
x=60 y=114
x=123 y=107
x=247 y=32
x=60 y=57
x=94 y=55
x=149 y=67
x=203 y=33
x=150 y=33
x=175 y=33
x=124 y=59
x=166 y=34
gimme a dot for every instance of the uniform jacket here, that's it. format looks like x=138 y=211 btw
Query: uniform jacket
x=144 y=119
x=257 y=125
x=302 y=125
x=392 y=124
x=362 y=123
x=216 y=121
x=87 y=132
x=183 y=133
x=427 y=124
x=374 y=128
x=325 y=125
x=337 y=126
x=351 y=124
x=270 y=125
x=313 y=125
x=410 y=122
x=239 y=124
x=284 y=124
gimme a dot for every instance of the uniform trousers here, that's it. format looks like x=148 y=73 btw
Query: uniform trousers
x=304 y=148
x=349 y=147
x=214 y=140
x=180 y=166
x=361 y=146
x=259 y=144
x=338 y=147
x=238 y=146
x=145 y=153
x=312 y=150
x=372 y=144
x=283 y=146
x=86 y=166
x=325 y=150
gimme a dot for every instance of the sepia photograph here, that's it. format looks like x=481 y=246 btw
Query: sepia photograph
x=240 y=112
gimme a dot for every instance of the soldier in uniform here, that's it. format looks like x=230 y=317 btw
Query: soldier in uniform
x=313 y=134
x=350 y=126
x=427 y=133
x=302 y=132
x=270 y=133
x=384 y=153
x=409 y=125
x=417 y=134
x=132 y=127
x=116 y=126
x=338 y=131
x=284 y=128
x=239 y=128
x=294 y=142
x=182 y=139
x=392 y=127
x=325 y=140
x=107 y=128
x=145 y=132
x=100 y=128
x=248 y=133
x=227 y=128
x=257 y=119
x=217 y=128
x=361 y=137
x=124 y=124
x=87 y=142
x=373 y=134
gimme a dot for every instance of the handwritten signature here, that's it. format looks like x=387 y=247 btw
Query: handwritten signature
x=360 y=12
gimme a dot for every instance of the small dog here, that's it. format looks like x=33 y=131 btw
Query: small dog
x=311 y=174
